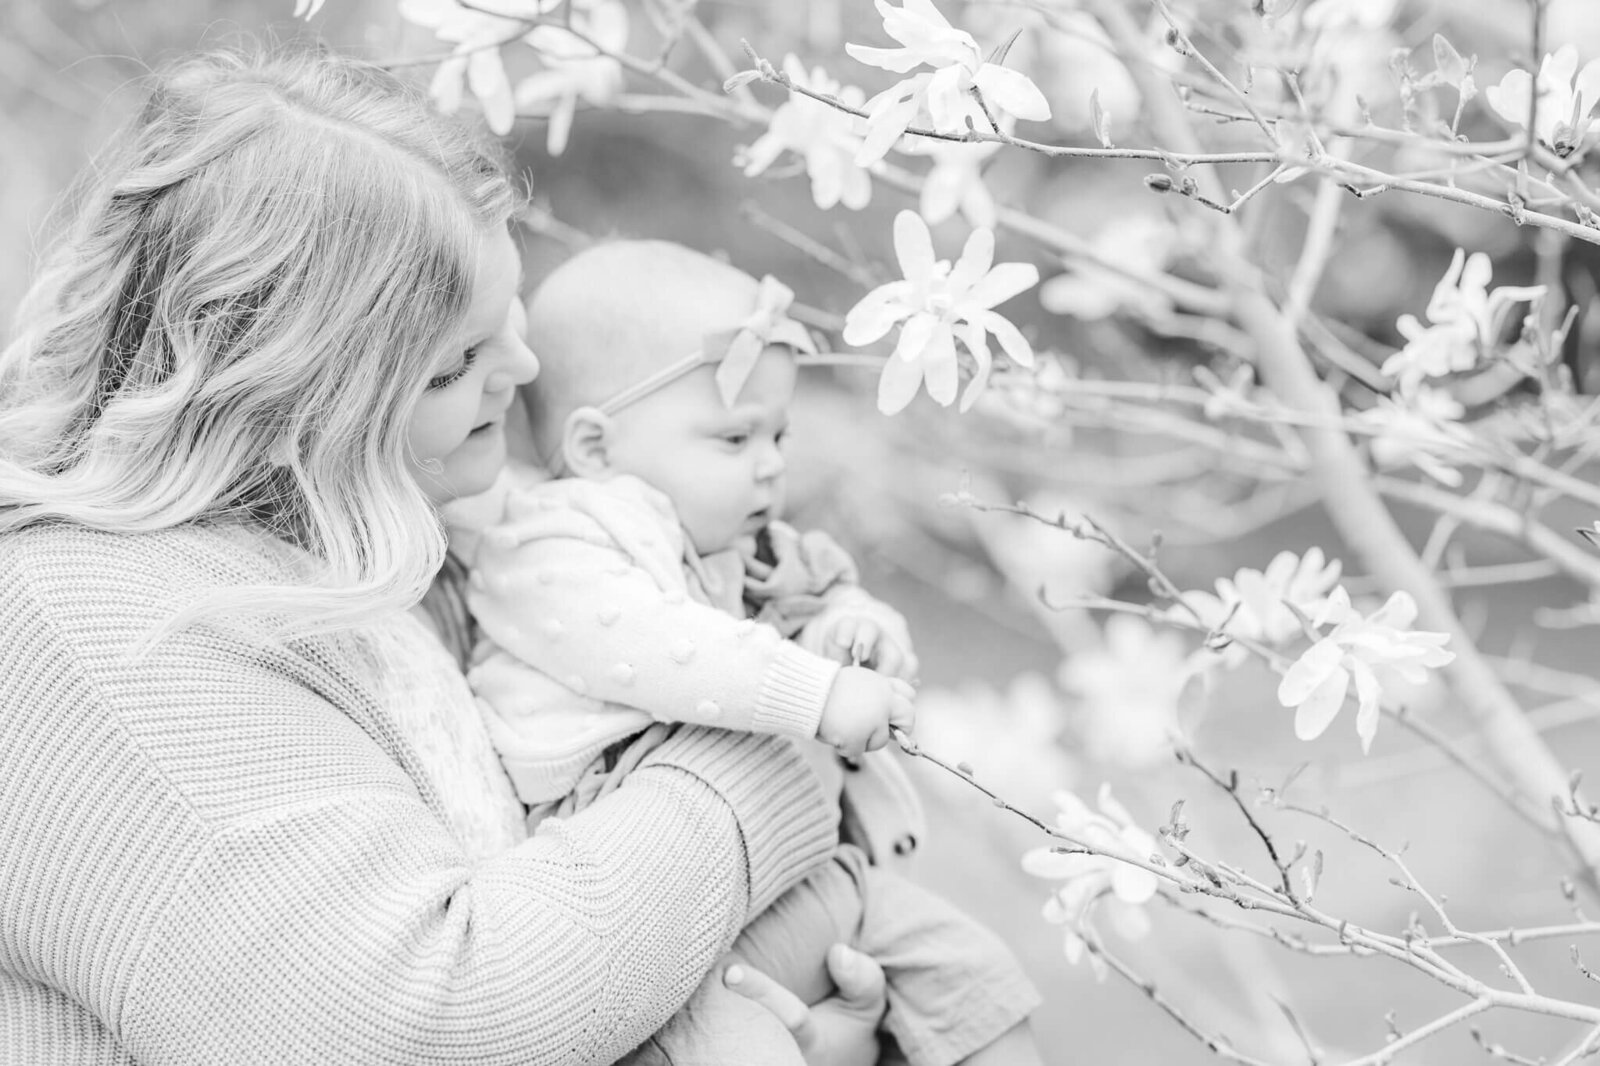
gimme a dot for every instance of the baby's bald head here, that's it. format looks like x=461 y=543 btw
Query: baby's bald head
x=616 y=313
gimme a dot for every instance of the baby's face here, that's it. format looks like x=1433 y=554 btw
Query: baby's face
x=722 y=467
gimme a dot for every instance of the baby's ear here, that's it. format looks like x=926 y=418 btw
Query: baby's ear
x=584 y=437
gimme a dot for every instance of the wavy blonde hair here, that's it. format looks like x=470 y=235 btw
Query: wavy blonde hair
x=252 y=291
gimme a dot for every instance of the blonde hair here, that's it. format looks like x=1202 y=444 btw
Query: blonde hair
x=257 y=282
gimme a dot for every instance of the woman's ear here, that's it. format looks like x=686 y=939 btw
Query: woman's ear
x=584 y=437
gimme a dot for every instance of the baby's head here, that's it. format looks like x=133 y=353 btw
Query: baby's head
x=606 y=325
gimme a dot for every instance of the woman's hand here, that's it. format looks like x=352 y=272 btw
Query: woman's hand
x=841 y=1030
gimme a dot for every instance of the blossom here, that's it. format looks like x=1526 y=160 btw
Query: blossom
x=1421 y=428
x=1466 y=321
x=1128 y=691
x=825 y=137
x=945 y=94
x=955 y=182
x=576 y=67
x=939 y=303
x=1141 y=245
x=476 y=63
x=1256 y=604
x=306 y=8
x=1099 y=881
x=1566 y=97
x=1371 y=652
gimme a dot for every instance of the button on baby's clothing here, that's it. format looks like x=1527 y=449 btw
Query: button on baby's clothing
x=709 y=709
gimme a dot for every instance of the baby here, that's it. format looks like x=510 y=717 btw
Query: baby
x=651 y=582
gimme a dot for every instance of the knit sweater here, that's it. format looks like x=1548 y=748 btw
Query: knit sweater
x=225 y=851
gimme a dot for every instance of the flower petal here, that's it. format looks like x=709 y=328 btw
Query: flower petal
x=913 y=246
x=898 y=60
x=1002 y=283
x=976 y=258
x=1012 y=92
x=1321 y=707
x=1012 y=342
x=876 y=314
x=898 y=384
x=943 y=372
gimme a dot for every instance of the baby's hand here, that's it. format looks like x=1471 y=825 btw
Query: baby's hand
x=861 y=707
x=860 y=641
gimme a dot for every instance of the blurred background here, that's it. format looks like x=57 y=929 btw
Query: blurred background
x=1034 y=700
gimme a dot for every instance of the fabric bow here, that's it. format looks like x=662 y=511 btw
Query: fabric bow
x=736 y=351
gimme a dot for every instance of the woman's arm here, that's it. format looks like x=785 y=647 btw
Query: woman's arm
x=215 y=850
x=354 y=930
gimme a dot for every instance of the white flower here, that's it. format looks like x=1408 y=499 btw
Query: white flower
x=1466 y=321
x=306 y=8
x=1421 y=428
x=574 y=69
x=938 y=303
x=1142 y=243
x=1096 y=881
x=1128 y=691
x=1255 y=604
x=478 y=37
x=955 y=183
x=824 y=136
x=946 y=94
x=1371 y=652
x=1566 y=97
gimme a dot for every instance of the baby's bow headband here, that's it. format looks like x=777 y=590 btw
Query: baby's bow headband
x=733 y=352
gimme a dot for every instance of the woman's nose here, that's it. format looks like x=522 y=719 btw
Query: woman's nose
x=519 y=367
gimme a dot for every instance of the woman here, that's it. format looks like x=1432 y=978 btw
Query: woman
x=274 y=339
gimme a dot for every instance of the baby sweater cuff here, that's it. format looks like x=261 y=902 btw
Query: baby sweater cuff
x=793 y=693
x=789 y=827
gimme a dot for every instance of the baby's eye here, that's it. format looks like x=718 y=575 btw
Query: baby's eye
x=781 y=436
x=736 y=439
x=468 y=357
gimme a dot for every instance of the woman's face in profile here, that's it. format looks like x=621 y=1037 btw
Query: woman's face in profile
x=457 y=432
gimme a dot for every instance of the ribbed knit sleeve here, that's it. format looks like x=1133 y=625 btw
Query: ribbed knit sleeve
x=219 y=853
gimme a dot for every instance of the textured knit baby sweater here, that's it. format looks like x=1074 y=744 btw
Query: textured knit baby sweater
x=230 y=852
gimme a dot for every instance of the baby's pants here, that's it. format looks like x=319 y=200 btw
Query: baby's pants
x=953 y=986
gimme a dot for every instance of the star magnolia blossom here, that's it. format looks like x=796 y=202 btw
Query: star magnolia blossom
x=478 y=36
x=306 y=8
x=1253 y=603
x=1421 y=428
x=824 y=136
x=1128 y=690
x=945 y=94
x=1371 y=652
x=939 y=303
x=1466 y=321
x=955 y=183
x=1100 y=881
x=1566 y=97
x=1143 y=245
x=574 y=70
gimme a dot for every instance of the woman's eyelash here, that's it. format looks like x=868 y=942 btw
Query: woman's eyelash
x=468 y=357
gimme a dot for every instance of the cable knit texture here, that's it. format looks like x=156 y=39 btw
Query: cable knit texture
x=228 y=851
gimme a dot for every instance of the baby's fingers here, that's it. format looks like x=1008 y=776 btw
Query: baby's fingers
x=843 y=636
x=864 y=645
x=902 y=704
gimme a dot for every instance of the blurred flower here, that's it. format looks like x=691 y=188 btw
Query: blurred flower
x=578 y=66
x=1128 y=691
x=956 y=182
x=1011 y=735
x=946 y=94
x=1366 y=14
x=1371 y=651
x=825 y=137
x=1466 y=321
x=937 y=303
x=1421 y=428
x=1566 y=97
x=1256 y=603
x=1115 y=887
x=478 y=37
x=1142 y=245
x=306 y=8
